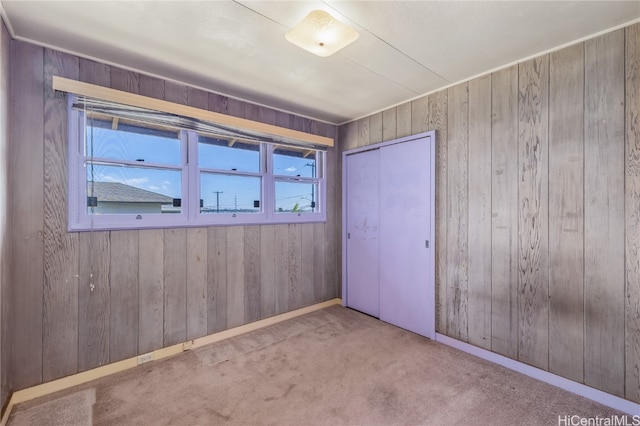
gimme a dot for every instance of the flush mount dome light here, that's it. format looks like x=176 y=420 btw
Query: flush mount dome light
x=321 y=34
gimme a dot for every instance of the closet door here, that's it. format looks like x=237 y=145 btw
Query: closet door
x=406 y=241
x=362 y=228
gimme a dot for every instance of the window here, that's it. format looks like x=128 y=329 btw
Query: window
x=129 y=171
x=296 y=180
x=230 y=176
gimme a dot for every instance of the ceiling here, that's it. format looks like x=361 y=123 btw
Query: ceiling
x=406 y=48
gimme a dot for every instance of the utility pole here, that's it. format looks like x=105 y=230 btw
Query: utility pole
x=217 y=200
x=313 y=175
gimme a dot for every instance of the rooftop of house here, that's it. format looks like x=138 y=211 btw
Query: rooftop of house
x=115 y=192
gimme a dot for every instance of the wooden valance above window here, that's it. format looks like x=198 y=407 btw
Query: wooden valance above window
x=124 y=104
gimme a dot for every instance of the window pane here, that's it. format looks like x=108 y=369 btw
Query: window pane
x=296 y=197
x=229 y=193
x=132 y=190
x=222 y=154
x=294 y=162
x=131 y=142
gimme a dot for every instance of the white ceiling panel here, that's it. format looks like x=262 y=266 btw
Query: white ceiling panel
x=369 y=52
x=405 y=49
x=459 y=39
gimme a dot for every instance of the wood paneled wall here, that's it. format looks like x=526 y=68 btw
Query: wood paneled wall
x=4 y=213
x=82 y=300
x=538 y=208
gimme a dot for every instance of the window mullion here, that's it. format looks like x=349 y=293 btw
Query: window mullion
x=191 y=172
x=136 y=164
x=229 y=172
x=269 y=184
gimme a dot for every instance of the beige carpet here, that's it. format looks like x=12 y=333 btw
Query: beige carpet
x=330 y=367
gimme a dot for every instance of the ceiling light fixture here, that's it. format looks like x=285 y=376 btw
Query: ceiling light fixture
x=321 y=34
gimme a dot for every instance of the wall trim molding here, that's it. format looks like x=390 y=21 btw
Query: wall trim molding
x=116 y=367
x=588 y=392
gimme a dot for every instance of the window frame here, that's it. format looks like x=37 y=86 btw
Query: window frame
x=288 y=217
x=190 y=216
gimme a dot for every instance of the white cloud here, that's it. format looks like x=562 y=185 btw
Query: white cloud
x=134 y=181
x=290 y=169
x=153 y=187
x=130 y=181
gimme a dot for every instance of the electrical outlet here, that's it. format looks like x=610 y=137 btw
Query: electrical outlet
x=145 y=358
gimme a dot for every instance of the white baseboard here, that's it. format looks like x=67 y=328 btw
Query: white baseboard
x=588 y=392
